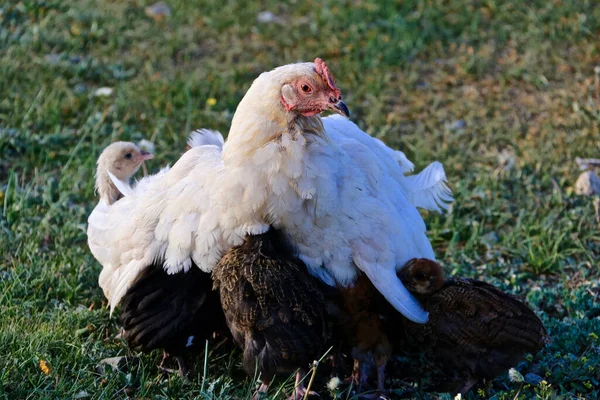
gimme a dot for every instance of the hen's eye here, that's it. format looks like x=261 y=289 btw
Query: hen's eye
x=128 y=156
x=306 y=88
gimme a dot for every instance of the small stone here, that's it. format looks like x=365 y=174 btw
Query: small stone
x=491 y=238
x=5 y=275
x=507 y=159
x=113 y=362
x=158 y=11
x=103 y=92
x=587 y=184
x=456 y=125
x=80 y=88
x=120 y=363
x=52 y=58
x=267 y=17
x=587 y=163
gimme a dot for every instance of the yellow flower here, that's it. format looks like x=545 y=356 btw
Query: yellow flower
x=211 y=101
x=44 y=367
x=76 y=29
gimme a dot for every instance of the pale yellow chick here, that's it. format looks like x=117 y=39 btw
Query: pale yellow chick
x=121 y=160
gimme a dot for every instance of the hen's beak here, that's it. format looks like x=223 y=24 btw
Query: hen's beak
x=341 y=108
x=146 y=155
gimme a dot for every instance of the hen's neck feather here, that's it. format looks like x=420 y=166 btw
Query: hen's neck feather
x=265 y=155
x=261 y=118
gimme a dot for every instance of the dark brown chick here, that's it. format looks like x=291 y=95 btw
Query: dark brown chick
x=474 y=328
x=365 y=333
x=176 y=313
x=275 y=310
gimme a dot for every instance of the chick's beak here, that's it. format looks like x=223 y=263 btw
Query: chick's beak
x=146 y=155
x=341 y=108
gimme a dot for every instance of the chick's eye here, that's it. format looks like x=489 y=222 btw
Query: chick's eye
x=128 y=156
x=306 y=89
x=420 y=276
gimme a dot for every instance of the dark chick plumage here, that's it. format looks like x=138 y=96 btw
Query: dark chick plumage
x=275 y=310
x=473 y=327
x=365 y=332
x=175 y=313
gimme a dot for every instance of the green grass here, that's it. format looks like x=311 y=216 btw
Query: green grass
x=504 y=93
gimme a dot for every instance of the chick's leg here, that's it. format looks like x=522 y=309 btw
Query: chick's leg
x=182 y=370
x=360 y=372
x=368 y=338
x=162 y=366
x=381 y=356
x=261 y=393
x=299 y=388
x=468 y=385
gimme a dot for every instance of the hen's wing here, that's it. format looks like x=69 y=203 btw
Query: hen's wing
x=367 y=218
x=404 y=239
x=426 y=189
x=169 y=218
x=173 y=312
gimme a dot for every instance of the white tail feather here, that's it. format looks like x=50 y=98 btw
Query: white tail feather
x=390 y=286
x=428 y=188
x=203 y=137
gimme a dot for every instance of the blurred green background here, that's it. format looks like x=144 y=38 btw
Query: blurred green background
x=504 y=93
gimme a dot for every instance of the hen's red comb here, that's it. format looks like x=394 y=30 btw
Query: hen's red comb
x=323 y=71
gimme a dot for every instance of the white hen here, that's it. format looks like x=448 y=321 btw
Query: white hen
x=340 y=195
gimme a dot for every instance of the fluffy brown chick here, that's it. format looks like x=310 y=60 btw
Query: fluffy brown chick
x=274 y=308
x=422 y=277
x=122 y=160
x=474 y=328
x=366 y=333
x=175 y=313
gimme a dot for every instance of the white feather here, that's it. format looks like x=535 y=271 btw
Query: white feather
x=428 y=188
x=203 y=137
x=392 y=289
x=123 y=187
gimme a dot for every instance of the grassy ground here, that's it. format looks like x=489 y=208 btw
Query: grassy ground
x=503 y=93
